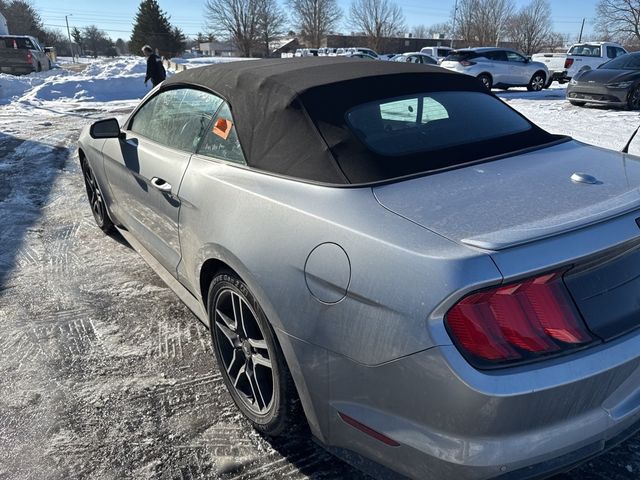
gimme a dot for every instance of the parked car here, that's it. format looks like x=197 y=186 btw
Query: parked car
x=327 y=52
x=498 y=67
x=22 y=54
x=615 y=83
x=386 y=56
x=590 y=55
x=439 y=53
x=415 y=57
x=555 y=64
x=368 y=51
x=438 y=281
x=366 y=56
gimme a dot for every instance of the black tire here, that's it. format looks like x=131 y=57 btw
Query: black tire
x=538 y=82
x=96 y=201
x=486 y=79
x=242 y=350
x=577 y=103
x=633 y=99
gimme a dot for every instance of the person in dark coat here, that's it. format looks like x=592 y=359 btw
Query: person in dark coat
x=155 y=70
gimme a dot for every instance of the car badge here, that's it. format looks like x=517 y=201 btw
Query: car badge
x=579 y=177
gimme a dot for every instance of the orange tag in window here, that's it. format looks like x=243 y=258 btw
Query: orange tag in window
x=222 y=128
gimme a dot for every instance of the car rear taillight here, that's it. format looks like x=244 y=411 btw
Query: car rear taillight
x=467 y=63
x=517 y=322
x=30 y=57
x=568 y=62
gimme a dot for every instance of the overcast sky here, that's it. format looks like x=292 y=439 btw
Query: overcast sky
x=116 y=16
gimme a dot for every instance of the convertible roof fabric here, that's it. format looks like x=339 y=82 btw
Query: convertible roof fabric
x=289 y=113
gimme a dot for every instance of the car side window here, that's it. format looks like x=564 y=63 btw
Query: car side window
x=496 y=56
x=620 y=51
x=515 y=57
x=221 y=140
x=176 y=118
x=611 y=52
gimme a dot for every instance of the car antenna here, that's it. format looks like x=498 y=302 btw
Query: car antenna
x=626 y=147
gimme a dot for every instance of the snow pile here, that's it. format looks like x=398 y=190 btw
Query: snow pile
x=104 y=80
x=101 y=81
x=12 y=86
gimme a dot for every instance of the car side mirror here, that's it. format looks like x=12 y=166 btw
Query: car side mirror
x=527 y=60
x=109 y=128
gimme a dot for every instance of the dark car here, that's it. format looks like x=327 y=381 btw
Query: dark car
x=615 y=83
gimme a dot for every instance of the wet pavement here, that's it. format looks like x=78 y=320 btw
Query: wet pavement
x=104 y=373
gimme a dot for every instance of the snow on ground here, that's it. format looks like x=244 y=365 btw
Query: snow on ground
x=90 y=86
x=604 y=127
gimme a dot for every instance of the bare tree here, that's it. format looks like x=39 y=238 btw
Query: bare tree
x=378 y=19
x=620 y=19
x=420 y=31
x=482 y=22
x=314 y=18
x=272 y=22
x=237 y=19
x=530 y=27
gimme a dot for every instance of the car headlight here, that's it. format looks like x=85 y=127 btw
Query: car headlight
x=619 y=84
x=573 y=81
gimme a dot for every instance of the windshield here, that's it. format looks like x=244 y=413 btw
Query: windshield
x=624 y=62
x=585 y=50
x=432 y=121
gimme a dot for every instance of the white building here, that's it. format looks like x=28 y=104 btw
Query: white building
x=4 y=30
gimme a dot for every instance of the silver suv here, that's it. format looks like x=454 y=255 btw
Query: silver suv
x=499 y=68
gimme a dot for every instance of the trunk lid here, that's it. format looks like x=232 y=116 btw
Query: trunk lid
x=516 y=200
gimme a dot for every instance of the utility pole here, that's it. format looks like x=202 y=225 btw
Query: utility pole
x=66 y=19
x=581 y=29
x=453 y=24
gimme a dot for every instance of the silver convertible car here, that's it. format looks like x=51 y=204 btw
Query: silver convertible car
x=444 y=288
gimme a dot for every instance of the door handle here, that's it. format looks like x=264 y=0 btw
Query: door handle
x=160 y=184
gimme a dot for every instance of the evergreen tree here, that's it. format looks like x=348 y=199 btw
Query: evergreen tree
x=152 y=27
x=22 y=18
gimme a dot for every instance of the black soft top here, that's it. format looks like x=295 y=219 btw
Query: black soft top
x=290 y=113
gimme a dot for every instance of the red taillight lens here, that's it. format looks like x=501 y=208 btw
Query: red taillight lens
x=467 y=63
x=517 y=322
x=568 y=62
x=29 y=57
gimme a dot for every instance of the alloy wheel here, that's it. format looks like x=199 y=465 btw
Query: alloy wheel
x=537 y=83
x=244 y=351
x=95 y=198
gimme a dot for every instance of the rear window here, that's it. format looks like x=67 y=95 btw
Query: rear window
x=432 y=121
x=461 y=55
x=585 y=50
x=16 y=42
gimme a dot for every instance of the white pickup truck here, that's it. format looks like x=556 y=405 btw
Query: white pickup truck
x=590 y=55
x=581 y=56
x=554 y=63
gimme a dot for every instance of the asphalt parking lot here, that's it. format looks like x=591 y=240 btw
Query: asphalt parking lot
x=104 y=373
